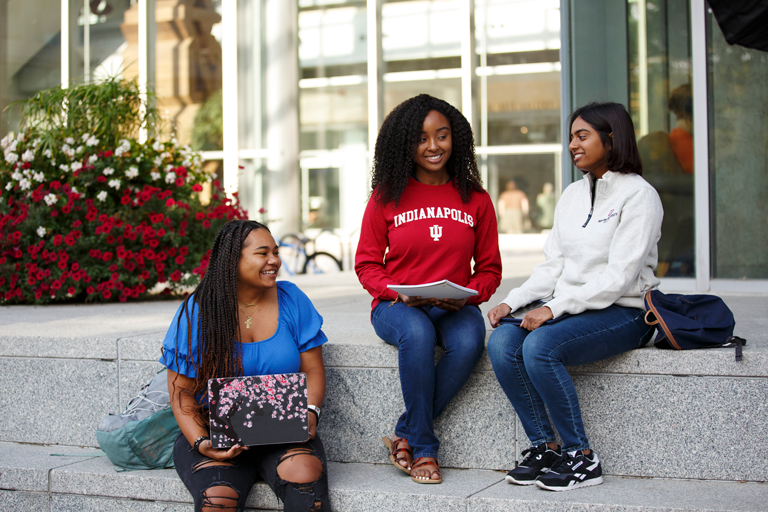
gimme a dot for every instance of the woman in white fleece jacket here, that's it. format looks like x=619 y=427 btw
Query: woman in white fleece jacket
x=599 y=264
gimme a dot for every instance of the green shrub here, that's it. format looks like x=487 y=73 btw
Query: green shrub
x=89 y=213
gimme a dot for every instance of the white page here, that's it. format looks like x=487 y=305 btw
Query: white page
x=438 y=290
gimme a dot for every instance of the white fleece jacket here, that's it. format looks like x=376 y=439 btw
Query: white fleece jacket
x=608 y=259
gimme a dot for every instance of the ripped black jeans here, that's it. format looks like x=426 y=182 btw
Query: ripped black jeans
x=257 y=461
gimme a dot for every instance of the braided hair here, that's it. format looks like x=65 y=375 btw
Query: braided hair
x=393 y=157
x=216 y=297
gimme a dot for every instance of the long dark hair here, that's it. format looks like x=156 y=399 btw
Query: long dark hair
x=621 y=153
x=393 y=158
x=216 y=297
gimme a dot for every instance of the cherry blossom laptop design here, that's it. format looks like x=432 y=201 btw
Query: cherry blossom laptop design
x=263 y=409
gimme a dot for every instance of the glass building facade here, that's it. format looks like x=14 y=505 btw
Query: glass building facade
x=285 y=97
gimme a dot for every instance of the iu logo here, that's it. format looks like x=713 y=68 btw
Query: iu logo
x=436 y=232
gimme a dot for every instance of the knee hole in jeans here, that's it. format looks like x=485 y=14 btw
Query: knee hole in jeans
x=300 y=466
x=220 y=497
x=207 y=463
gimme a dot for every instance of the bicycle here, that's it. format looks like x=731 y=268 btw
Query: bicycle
x=293 y=253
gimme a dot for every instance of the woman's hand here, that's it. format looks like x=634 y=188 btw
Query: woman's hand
x=536 y=318
x=496 y=314
x=450 y=304
x=207 y=450
x=415 y=302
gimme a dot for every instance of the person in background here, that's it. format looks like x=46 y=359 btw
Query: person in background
x=254 y=325
x=599 y=265
x=546 y=202
x=428 y=219
x=513 y=209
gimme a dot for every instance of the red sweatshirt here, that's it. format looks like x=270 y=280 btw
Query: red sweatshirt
x=431 y=235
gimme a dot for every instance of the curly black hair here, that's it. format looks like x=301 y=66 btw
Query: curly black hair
x=393 y=158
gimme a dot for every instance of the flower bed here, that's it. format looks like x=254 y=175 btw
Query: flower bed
x=86 y=218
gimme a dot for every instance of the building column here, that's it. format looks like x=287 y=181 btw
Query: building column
x=281 y=79
x=4 y=77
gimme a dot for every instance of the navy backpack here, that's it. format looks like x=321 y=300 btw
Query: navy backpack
x=691 y=321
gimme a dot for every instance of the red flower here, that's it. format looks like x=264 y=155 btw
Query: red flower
x=110 y=239
x=176 y=275
x=170 y=202
x=90 y=290
x=179 y=260
x=161 y=232
x=66 y=209
x=183 y=250
x=62 y=264
x=54 y=213
x=106 y=293
x=38 y=295
x=101 y=179
x=160 y=266
x=197 y=187
x=75 y=266
x=55 y=185
x=70 y=240
x=115 y=276
x=71 y=290
x=199 y=216
x=31 y=281
x=107 y=256
x=125 y=200
x=56 y=285
x=183 y=224
x=171 y=251
x=112 y=268
x=179 y=182
x=206 y=223
x=108 y=154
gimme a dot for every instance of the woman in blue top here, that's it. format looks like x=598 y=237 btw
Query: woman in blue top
x=254 y=325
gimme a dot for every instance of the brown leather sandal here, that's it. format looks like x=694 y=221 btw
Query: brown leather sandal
x=418 y=462
x=394 y=450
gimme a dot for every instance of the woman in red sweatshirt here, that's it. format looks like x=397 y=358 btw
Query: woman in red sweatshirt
x=427 y=219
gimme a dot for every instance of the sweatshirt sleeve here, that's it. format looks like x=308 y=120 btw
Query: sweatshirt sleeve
x=542 y=282
x=638 y=231
x=486 y=275
x=369 y=258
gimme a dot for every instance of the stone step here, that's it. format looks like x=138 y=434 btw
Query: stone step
x=649 y=413
x=32 y=479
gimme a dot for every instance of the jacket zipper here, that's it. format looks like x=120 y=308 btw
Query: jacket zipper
x=592 y=208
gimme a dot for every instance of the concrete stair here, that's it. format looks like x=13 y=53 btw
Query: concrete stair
x=654 y=417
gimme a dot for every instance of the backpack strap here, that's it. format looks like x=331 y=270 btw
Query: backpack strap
x=735 y=341
x=659 y=320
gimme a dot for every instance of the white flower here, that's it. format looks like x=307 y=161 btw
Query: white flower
x=8 y=186
x=24 y=184
x=114 y=183
x=74 y=190
x=174 y=142
x=64 y=167
x=154 y=175
x=12 y=145
x=79 y=149
x=76 y=166
x=168 y=167
x=132 y=172
x=11 y=157
x=28 y=156
x=92 y=141
x=170 y=177
x=102 y=196
x=108 y=171
x=47 y=153
x=138 y=159
x=84 y=137
x=119 y=151
x=157 y=161
x=92 y=159
x=36 y=143
x=67 y=150
x=50 y=199
x=6 y=140
x=41 y=231
x=38 y=176
x=157 y=146
x=69 y=140
x=16 y=175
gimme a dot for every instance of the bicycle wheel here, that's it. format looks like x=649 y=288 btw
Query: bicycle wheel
x=322 y=263
x=292 y=254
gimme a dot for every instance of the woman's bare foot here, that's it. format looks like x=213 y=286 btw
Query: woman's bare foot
x=426 y=470
x=404 y=454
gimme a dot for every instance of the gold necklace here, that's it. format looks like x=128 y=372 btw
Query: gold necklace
x=247 y=316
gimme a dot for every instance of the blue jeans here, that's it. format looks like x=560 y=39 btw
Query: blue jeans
x=427 y=389
x=530 y=366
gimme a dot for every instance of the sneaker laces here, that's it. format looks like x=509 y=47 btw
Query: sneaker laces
x=564 y=464
x=534 y=452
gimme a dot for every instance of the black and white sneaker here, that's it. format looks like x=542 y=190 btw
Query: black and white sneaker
x=538 y=462
x=576 y=470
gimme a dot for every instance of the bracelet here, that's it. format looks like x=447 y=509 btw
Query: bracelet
x=198 y=442
x=315 y=410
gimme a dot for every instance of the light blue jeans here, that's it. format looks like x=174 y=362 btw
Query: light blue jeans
x=530 y=366
x=427 y=389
